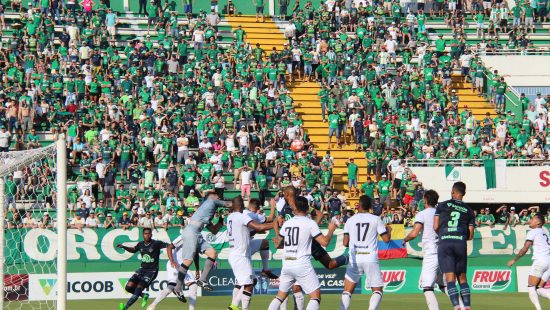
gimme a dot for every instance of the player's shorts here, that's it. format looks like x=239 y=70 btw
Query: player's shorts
x=373 y=275
x=430 y=270
x=303 y=274
x=452 y=256
x=242 y=269
x=539 y=268
x=193 y=241
x=317 y=251
x=144 y=276
x=255 y=245
x=172 y=275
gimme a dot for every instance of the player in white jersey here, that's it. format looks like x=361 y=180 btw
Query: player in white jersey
x=172 y=277
x=361 y=233
x=537 y=237
x=424 y=222
x=261 y=245
x=238 y=225
x=296 y=235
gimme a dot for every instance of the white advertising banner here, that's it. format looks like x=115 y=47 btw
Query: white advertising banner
x=520 y=184
x=92 y=285
x=523 y=275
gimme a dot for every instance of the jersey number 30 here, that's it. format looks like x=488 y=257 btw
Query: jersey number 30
x=292 y=234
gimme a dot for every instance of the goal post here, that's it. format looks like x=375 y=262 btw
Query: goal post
x=33 y=202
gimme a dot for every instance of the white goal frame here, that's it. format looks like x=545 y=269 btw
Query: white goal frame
x=61 y=208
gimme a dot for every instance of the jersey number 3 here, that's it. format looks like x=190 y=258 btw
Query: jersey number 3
x=455 y=216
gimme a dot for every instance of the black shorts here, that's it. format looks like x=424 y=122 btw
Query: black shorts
x=396 y=183
x=452 y=256
x=317 y=251
x=144 y=277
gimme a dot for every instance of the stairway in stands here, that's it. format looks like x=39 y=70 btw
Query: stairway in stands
x=306 y=102
x=469 y=99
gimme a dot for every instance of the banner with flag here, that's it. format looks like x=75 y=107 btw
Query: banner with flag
x=495 y=173
x=452 y=173
x=394 y=248
x=218 y=241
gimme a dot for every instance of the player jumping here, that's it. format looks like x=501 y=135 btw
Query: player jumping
x=149 y=250
x=297 y=235
x=454 y=222
x=238 y=225
x=424 y=222
x=193 y=241
x=538 y=238
x=361 y=236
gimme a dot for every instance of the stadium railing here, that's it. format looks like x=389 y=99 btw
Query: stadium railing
x=473 y=162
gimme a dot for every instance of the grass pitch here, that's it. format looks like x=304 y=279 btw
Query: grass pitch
x=500 y=301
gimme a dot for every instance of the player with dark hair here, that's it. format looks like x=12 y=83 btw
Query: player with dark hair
x=537 y=237
x=454 y=223
x=424 y=223
x=290 y=194
x=361 y=236
x=149 y=250
x=296 y=236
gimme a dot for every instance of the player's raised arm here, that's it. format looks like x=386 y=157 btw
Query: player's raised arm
x=259 y=227
x=384 y=231
x=324 y=240
x=133 y=249
x=521 y=252
x=436 y=219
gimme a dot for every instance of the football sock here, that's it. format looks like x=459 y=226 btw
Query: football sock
x=284 y=304
x=345 y=301
x=236 y=295
x=453 y=294
x=264 y=254
x=375 y=300
x=465 y=294
x=431 y=300
x=544 y=292
x=162 y=294
x=134 y=297
x=246 y=296
x=182 y=271
x=208 y=265
x=275 y=303
x=313 y=304
x=534 y=297
x=192 y=296
x=299 y=301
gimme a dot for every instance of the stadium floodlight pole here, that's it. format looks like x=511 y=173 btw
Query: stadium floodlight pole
x=2 y=236
x=61 y=222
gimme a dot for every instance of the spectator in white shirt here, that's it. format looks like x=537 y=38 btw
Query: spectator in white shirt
x=146 y=221
x=92 y=221
x=4 y=139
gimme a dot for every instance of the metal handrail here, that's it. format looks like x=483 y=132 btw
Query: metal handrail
x=474 y=162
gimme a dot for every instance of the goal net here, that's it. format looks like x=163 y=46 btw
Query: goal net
x=30 y=197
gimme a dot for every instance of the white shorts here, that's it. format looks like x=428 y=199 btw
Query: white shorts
x=304 y=274
x=172 y=275
x=242 y=269
x=373 y=275
x=430 y=270
x=255 y=245
x=539 y=268
x=479 y=82
x=452 y=6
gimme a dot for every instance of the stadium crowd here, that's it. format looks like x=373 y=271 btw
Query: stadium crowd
x=154 y=124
